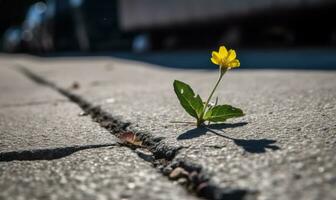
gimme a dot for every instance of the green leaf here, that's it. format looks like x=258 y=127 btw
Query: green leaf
x=190 y=102
x=221 y=113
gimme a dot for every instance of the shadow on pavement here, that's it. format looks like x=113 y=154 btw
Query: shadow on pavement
x=46 y=154
x=251 y=146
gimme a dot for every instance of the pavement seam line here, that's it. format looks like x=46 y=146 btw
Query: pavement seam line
x=197 y=180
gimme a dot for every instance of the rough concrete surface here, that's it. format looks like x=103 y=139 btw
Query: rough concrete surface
x=17 y=90
x=105 y=173
x=49 y=151
x=49 y=124
x=282 y=149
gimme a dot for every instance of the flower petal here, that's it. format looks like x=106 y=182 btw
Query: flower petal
x=231 y=56
x=233 y=64
x=214 y=61
x=223 y=52
x=215 y=57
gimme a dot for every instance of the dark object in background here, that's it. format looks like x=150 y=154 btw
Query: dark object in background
x=12 y=13
x=12 y=40
x=144 y=25
x=72 y=25
x=85 y=25
x=64 y=25
x=33 y=35
x=102 y=23
x=198 y=24
x=61 y=28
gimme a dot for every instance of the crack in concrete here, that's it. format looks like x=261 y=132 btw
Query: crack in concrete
x=107 y=121
x=46 y=154
x=197 y=180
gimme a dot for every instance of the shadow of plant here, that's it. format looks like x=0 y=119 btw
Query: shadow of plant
x=251 y=146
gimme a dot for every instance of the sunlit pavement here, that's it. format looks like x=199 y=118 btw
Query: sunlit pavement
x=282 y=149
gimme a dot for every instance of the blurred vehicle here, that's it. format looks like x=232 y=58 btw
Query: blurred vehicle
x=11 y=41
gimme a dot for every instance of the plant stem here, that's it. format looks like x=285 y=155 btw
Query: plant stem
x=201 y=120
x=222 y=72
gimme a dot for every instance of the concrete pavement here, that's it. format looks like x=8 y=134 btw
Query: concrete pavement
x=282 y=149
x=48 y=150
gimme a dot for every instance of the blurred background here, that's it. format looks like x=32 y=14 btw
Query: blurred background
x=295 y=34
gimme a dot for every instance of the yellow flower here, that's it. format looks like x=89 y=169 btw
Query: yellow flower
x=225 y=59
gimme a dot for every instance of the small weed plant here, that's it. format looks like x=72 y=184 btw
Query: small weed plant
x=204 y=111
